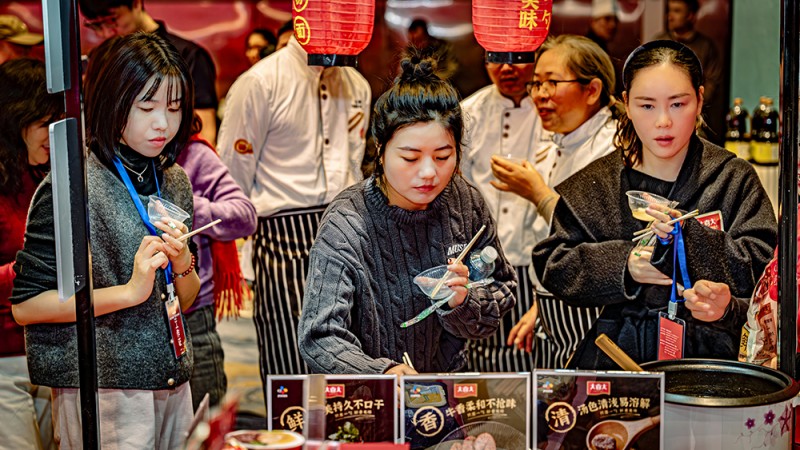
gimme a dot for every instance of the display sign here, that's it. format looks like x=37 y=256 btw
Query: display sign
x=358 y=408
x=598 y=410
x=443 y=412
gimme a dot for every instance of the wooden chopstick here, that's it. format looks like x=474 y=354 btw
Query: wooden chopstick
x=458 y=260
x=193 y=232
x=407 y=360
x=648 y=232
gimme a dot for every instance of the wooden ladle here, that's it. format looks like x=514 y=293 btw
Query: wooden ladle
x=623 y=432
x=615 y=353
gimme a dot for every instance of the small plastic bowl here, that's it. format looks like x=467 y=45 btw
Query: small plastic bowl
x=640 y=200
x=427 y=280
x=158 y=208
x=265 y=440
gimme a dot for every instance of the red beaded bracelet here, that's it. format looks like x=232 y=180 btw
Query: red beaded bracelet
x=188 y=271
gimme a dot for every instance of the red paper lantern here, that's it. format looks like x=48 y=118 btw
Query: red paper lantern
x=511 y=30
x=333 y=32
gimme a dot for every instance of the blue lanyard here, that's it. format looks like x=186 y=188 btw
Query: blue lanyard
x=678 y=261
x=143 y=212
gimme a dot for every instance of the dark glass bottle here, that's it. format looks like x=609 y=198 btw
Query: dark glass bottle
x=736 y=137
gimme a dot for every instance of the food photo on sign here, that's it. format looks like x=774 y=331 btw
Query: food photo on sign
x=466 y=412
x=598 y=411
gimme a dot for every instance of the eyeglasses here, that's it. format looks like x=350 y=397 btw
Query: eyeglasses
x=534 y=86
x=101 y=23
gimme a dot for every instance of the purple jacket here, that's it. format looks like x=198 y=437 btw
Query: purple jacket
x=216 y=196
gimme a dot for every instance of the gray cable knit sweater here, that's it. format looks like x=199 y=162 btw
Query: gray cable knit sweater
x=133 y=347
x=360 y=286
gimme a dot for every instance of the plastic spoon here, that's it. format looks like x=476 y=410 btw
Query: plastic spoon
x=624 y=433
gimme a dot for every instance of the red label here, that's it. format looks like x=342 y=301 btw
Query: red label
x=598 y=387
x=177 y=332
x=465 y=390
x=334 y=390
x=670 y=338
x=712 y=220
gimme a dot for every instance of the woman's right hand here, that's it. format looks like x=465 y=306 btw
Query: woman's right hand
x=642 y=271
x=149 y=257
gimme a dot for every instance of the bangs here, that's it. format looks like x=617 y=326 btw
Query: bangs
x=175 y=88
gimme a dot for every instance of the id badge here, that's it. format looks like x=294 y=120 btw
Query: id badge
x=671 y=334
x=175 y=320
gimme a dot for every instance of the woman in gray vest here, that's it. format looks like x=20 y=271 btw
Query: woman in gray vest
x=139 y=110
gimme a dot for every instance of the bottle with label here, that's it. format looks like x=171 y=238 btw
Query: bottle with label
x=481 y=263
x=764 y=139
x=736 y=138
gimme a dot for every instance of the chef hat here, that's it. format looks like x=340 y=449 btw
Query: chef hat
x=603 y=8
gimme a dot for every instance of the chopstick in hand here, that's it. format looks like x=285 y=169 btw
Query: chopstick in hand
x=407 y=360
x=458 y=260
x=647 y=232
x=203 y=228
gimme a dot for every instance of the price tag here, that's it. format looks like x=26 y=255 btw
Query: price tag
x=671 y=334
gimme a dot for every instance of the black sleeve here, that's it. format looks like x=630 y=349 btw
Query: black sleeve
x=204 y=75
x=36 y=262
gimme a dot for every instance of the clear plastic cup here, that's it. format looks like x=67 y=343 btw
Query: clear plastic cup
x=427 y=280
x=640 y=200
x=512 y=159
x=158 y=208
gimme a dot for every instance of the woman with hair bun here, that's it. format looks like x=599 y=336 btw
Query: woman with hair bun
x=414 y=213
x=589 y=259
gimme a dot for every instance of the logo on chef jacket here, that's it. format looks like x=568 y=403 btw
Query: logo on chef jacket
x=243 y=147
x=283 y=392
x=334 y=390
x=465 y=390
x=598 y=387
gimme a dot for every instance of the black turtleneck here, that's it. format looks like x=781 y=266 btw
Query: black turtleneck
x=136 y=163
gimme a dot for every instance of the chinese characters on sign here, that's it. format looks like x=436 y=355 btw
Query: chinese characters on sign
x=530 y=13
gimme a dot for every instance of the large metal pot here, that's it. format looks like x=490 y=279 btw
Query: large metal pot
x=725 y=405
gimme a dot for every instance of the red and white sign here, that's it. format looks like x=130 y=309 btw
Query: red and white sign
x=466 y=390
x=598 y=388
x=334 y=390
x=712 y=220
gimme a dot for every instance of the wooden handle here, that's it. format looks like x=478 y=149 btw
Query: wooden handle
x=615 y=353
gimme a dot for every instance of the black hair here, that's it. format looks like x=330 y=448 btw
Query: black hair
x=123 y=70
x=418 y=95
x=24 y=101
x=92 y=9
x=417 y=24
x=286 y=27
x=652 y=54
x=266 y=34
x=693 y=5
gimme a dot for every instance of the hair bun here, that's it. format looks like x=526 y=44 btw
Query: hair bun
x=417 y=66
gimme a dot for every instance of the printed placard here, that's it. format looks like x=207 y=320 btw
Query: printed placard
x=358 y=408
x=443 y=411
x=587 y=410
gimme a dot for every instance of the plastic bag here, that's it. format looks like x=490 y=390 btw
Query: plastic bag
x=760 y=332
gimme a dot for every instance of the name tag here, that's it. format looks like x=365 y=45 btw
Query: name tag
x=712 y=220
x=175 y=321
x=671 y=333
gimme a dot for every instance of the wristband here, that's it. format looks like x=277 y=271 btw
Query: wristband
x=188 y=271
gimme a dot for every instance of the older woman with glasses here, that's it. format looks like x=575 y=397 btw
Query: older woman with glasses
x=572 y=88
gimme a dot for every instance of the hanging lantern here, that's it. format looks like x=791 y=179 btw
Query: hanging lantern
x=511 y=30
x=333 y=32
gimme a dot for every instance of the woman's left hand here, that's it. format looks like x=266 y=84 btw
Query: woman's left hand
x=458 y=283
x=177 y=251
x=662 y=214
x=707 y=300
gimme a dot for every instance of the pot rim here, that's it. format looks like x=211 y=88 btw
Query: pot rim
x=716 y=365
